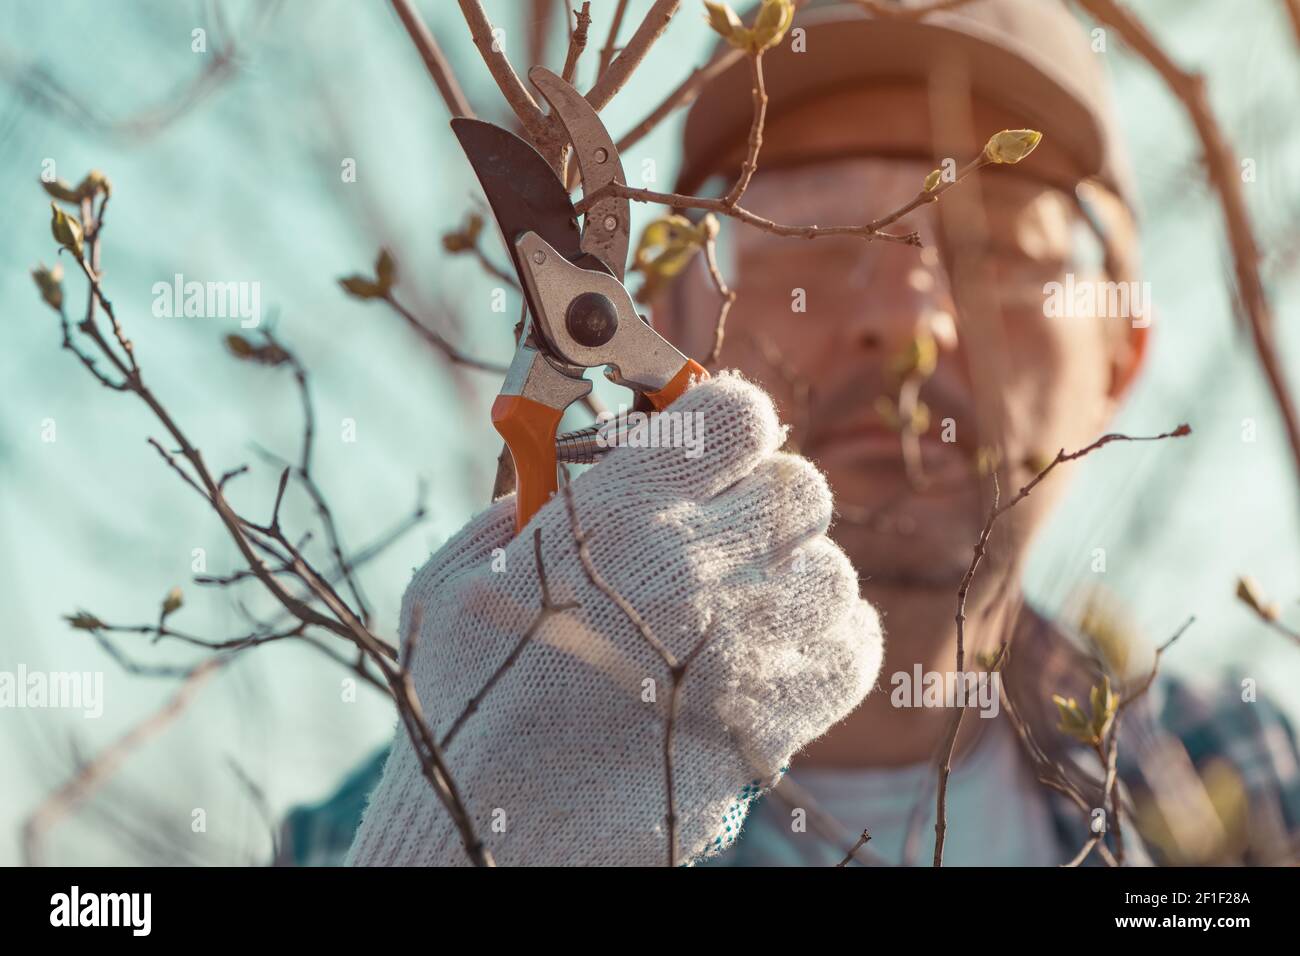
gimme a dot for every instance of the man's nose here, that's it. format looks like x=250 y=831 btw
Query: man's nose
x=908 y=294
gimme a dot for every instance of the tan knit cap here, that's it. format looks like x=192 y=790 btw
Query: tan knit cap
x=1029 y=59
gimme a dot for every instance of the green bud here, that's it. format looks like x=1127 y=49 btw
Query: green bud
x=919 y=358
x=465 y=238
x=94 y=182
x=359 y=287
x=50 y=282
x=1011 y=145
x=385 y=270
x=987 y=460
x=888 y=411
x=1104 y=707
x=62 y=190
x=774 y=18
x=84 y=621
x=172 y=601
x=1252 y=595
x=246 y=351
x=1073 y=720
x=66 y=230
x=722 y=19
x=665 y=248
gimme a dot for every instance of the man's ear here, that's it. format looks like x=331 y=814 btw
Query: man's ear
x=1128 y=357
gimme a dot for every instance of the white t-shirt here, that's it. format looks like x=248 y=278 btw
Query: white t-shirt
x=998 y=813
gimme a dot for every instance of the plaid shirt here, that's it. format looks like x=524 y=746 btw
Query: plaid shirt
x=1207 y=775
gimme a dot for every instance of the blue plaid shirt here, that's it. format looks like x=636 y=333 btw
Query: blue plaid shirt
x=1207 y=775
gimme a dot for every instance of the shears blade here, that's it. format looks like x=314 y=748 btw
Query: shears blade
x=522 y=189
x=607 y=224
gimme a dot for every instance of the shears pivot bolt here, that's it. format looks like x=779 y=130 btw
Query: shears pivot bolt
x=591 y=319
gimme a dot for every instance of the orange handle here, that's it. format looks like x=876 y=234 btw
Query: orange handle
x=674 y=389
x=528 y=428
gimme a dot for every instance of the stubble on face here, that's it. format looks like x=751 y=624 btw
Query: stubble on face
x=829 y=365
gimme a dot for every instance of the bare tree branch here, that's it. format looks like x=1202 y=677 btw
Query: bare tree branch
x=220 y=63
x=549 y=608
x=252 y=539
x=493 y=53
x=853 y=850
x=996 y=511
x=434 y=61
x=93 y=774
x=1224 y=175
x=755 y=142
x=452 y=353
x=677 y=669
x=577 y=42
x=611 y=40
x=620 y=70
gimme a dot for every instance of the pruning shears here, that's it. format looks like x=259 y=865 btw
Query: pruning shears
x=580 y=315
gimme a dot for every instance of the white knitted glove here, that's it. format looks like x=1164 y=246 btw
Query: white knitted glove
x=563 y=761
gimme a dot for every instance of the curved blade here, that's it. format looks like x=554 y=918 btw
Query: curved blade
x=607 y=224
x=523 y=191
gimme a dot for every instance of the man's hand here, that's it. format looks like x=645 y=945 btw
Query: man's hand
x=563 y=761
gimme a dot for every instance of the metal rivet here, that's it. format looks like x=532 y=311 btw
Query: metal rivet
x=539 y=257
x=591 y=319
x=601 y=154
x=611 y=223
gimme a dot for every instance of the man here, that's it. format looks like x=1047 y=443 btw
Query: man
x=912 y=378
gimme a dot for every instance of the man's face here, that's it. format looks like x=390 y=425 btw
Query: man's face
x=839 y=331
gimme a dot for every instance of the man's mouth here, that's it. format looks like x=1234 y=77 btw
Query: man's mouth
x=938 y=461
x=928 y=465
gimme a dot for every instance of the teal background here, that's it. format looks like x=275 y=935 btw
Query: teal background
x=247 y=186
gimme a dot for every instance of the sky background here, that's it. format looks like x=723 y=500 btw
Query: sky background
x=246 y=186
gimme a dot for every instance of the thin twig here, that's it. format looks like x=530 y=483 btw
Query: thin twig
x=452 y=353
x=681 y=201
x=219 y=66
x=512 y=88
x=620 y=70
x=549 y=608
x=1224 y=175
x=1293 y=13
x=251 y=538
x=611 y=39
x=92 y=775
x=728 y=296
x=678 y=676
x=1150 y=678
x=995 y=512
x=684 y=95
x=848 y=857
x=434 y=61
x=677 y=670
x=577 y=42
x=755 y=143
